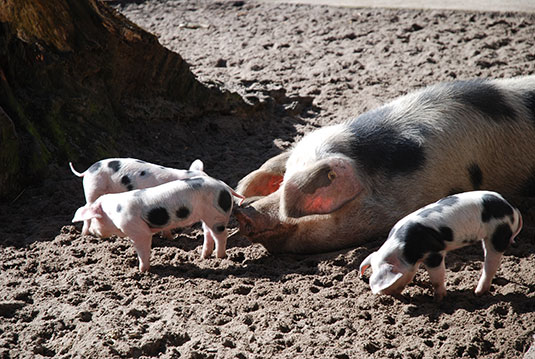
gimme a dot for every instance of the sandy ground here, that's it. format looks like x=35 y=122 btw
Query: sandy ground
x=65 y=295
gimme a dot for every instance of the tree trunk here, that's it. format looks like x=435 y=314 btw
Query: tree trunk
x=70 y=70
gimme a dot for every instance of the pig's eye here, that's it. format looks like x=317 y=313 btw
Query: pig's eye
x=331 y=175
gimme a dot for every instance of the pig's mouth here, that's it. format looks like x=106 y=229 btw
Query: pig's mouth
x=262 y=229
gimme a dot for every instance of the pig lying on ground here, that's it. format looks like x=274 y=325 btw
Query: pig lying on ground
x=115 y=175
x=426 y=235
x=138 y=214
x=344 y=184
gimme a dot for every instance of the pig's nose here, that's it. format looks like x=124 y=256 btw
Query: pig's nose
x=245 y=222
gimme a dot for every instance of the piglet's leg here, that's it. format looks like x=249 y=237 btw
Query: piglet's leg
x=490 y=267
x=220 y=236
x=208 y=245
x=142 y=244
x=436 y=276
x=85 y=228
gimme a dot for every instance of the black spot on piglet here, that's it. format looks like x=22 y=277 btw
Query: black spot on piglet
x=494 y=207
x=158 y=217
x=224 y=201
x=182 y=212
x=501 y=237
x=195 y=183
x=125 y=180
x=94 y=167
x=114 y=165
x=421 y=240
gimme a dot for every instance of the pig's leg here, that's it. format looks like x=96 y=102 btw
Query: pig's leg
x=434 y=263
x=142 y=244
x=490 y=267
x=85 y=228
x=437 y=276
x=220 y=236
x=208 y=245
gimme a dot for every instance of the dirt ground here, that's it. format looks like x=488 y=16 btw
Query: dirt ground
x=65 y=295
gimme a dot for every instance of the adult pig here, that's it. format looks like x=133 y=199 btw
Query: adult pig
x=345 y=184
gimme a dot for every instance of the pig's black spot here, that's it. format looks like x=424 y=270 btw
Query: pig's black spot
x=125 y=180
x=219 y=229
x=448 y=201
x=439 y=206
x=119 y=208
x=94 y=167
x=501 y=237
x=424 y=213
x=224 y=201
x=433 y=260
x=195 y=183
x=379 y=146
x=183 y=212
x=129 y=187
x=114 y=165
x=139 y=192
x=485 y=97
x=494 y=207
x=421 y=240
x=140 y=161
x=476 y=176
x=529 y=101
x=158 y=217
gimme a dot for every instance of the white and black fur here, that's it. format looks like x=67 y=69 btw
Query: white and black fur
x=426 y=235
x=348 y=183
x=116 y=175
x=138 y=214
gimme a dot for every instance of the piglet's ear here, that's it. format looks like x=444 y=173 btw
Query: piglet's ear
x=383 y=277
x=365 y=264
x=88 y=212
x=321 y=188
x=196 y=165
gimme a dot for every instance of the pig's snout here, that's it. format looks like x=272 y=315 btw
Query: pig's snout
x=245 y=216
x=264 y=227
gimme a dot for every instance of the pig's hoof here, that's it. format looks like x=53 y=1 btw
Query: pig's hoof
x=144 y=268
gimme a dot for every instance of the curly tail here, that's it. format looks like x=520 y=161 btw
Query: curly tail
x=76 y=173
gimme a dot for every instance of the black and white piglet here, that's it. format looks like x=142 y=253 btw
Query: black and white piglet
x=138 y=214
x=425 y=236
x=115 y=175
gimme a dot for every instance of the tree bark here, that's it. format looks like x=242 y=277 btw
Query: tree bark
x=70 y=70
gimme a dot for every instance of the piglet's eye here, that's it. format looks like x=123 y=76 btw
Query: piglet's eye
x=331 y=175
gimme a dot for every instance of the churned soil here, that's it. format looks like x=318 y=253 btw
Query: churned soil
x=66 y=295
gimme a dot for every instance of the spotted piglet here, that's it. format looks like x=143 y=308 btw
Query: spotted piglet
x=426 y=235
x=115 y=175
x=140 y=213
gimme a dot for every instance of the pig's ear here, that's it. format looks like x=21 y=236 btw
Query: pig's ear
x=384 y=276
x=88 y=212
x=321 y=188
x=196 y=165
x=365 y=264
x=265 y=180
